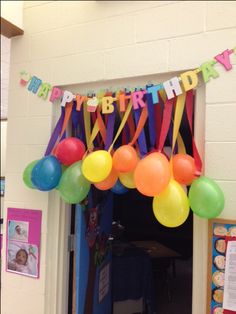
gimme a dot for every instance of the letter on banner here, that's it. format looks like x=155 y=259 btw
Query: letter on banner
x=79 y=101
x=189 y=80
x=44 y=90
x=24 y=78
x=56 y=93
x=137 y=100
x=122 y=99
x=92 y=104
x=223 y=58
x=34 y=84
x=67 y=97
x=208 y=71
x=172 y=86
x=107 y=104
x=154 y=91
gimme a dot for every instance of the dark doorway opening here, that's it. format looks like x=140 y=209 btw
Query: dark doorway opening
x=169 y=251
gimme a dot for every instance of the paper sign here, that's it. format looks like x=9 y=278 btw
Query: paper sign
x=104 y=282
x=23 y=241
x=229 y=302
x=221 y=234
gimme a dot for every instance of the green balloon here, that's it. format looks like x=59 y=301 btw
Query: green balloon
x=73 y=186
x=206 y=198
x=63 y=169
x=27 y=174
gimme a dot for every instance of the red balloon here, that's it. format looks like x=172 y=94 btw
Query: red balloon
x=184 y=168
x=125 y=159
x=70 y=150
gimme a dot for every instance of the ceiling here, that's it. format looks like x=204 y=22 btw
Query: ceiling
x=5 y=66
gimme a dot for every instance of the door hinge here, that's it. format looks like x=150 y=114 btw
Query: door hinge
x=71 y=243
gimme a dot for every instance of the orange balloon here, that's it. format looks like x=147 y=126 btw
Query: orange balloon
x=108 y=182
x=184 y=168
x=152 y=174
x=125 y=158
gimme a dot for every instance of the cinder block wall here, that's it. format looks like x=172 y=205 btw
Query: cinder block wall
x=73 y=42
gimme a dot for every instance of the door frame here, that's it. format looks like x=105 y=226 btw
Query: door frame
x=57 y=270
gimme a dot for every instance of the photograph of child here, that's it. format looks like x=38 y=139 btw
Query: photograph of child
x=219 y=262
x=18 y=230
x=220 y=230
x=232 y=231
x=218 y=278
x=217 y=295
x=218 y=310
x=22 y=258
x=220 y=245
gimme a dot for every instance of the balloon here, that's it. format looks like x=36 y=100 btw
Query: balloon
x=70 y=150
x=63 y=169
x=97 y=166
x=125 y=158
x=171 y=207
x=184 y=168
x=127 y=179
x=108 y=182
x=206 y=198
x=73 y=186
x=119 y=188
x=27 y=174
x=46 y=173
x=152 y=174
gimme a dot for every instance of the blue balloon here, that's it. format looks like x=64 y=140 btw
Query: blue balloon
x=119 y=188
x=46 y=174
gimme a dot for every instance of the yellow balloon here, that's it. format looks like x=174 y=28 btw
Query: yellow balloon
x=171 y=207
x=127 y=179
x=97 y=166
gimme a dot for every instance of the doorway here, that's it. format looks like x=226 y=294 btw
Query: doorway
x=165 y=255
x=166 y=239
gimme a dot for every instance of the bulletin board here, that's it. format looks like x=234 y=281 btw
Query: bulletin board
x=220 y=232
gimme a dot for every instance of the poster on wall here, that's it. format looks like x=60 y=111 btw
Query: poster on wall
x=221 y=264
x=229 y=302
x=23 y=241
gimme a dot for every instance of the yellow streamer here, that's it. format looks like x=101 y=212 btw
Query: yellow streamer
x=87 y=125
x=122 y=124
x=93 y=135
x=181 y=146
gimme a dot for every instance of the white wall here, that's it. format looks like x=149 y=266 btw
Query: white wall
x=3 y=146
x=75 y=42
x=3 y=159
x=12 y=11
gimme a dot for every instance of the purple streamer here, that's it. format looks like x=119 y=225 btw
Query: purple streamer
x=151 y=121
x=110 y=127
x=75 y=119
x=81 y=126
x=141 y=138
x=55 y=133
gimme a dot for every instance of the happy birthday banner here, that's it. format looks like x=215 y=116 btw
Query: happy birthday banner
x=174 y=87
